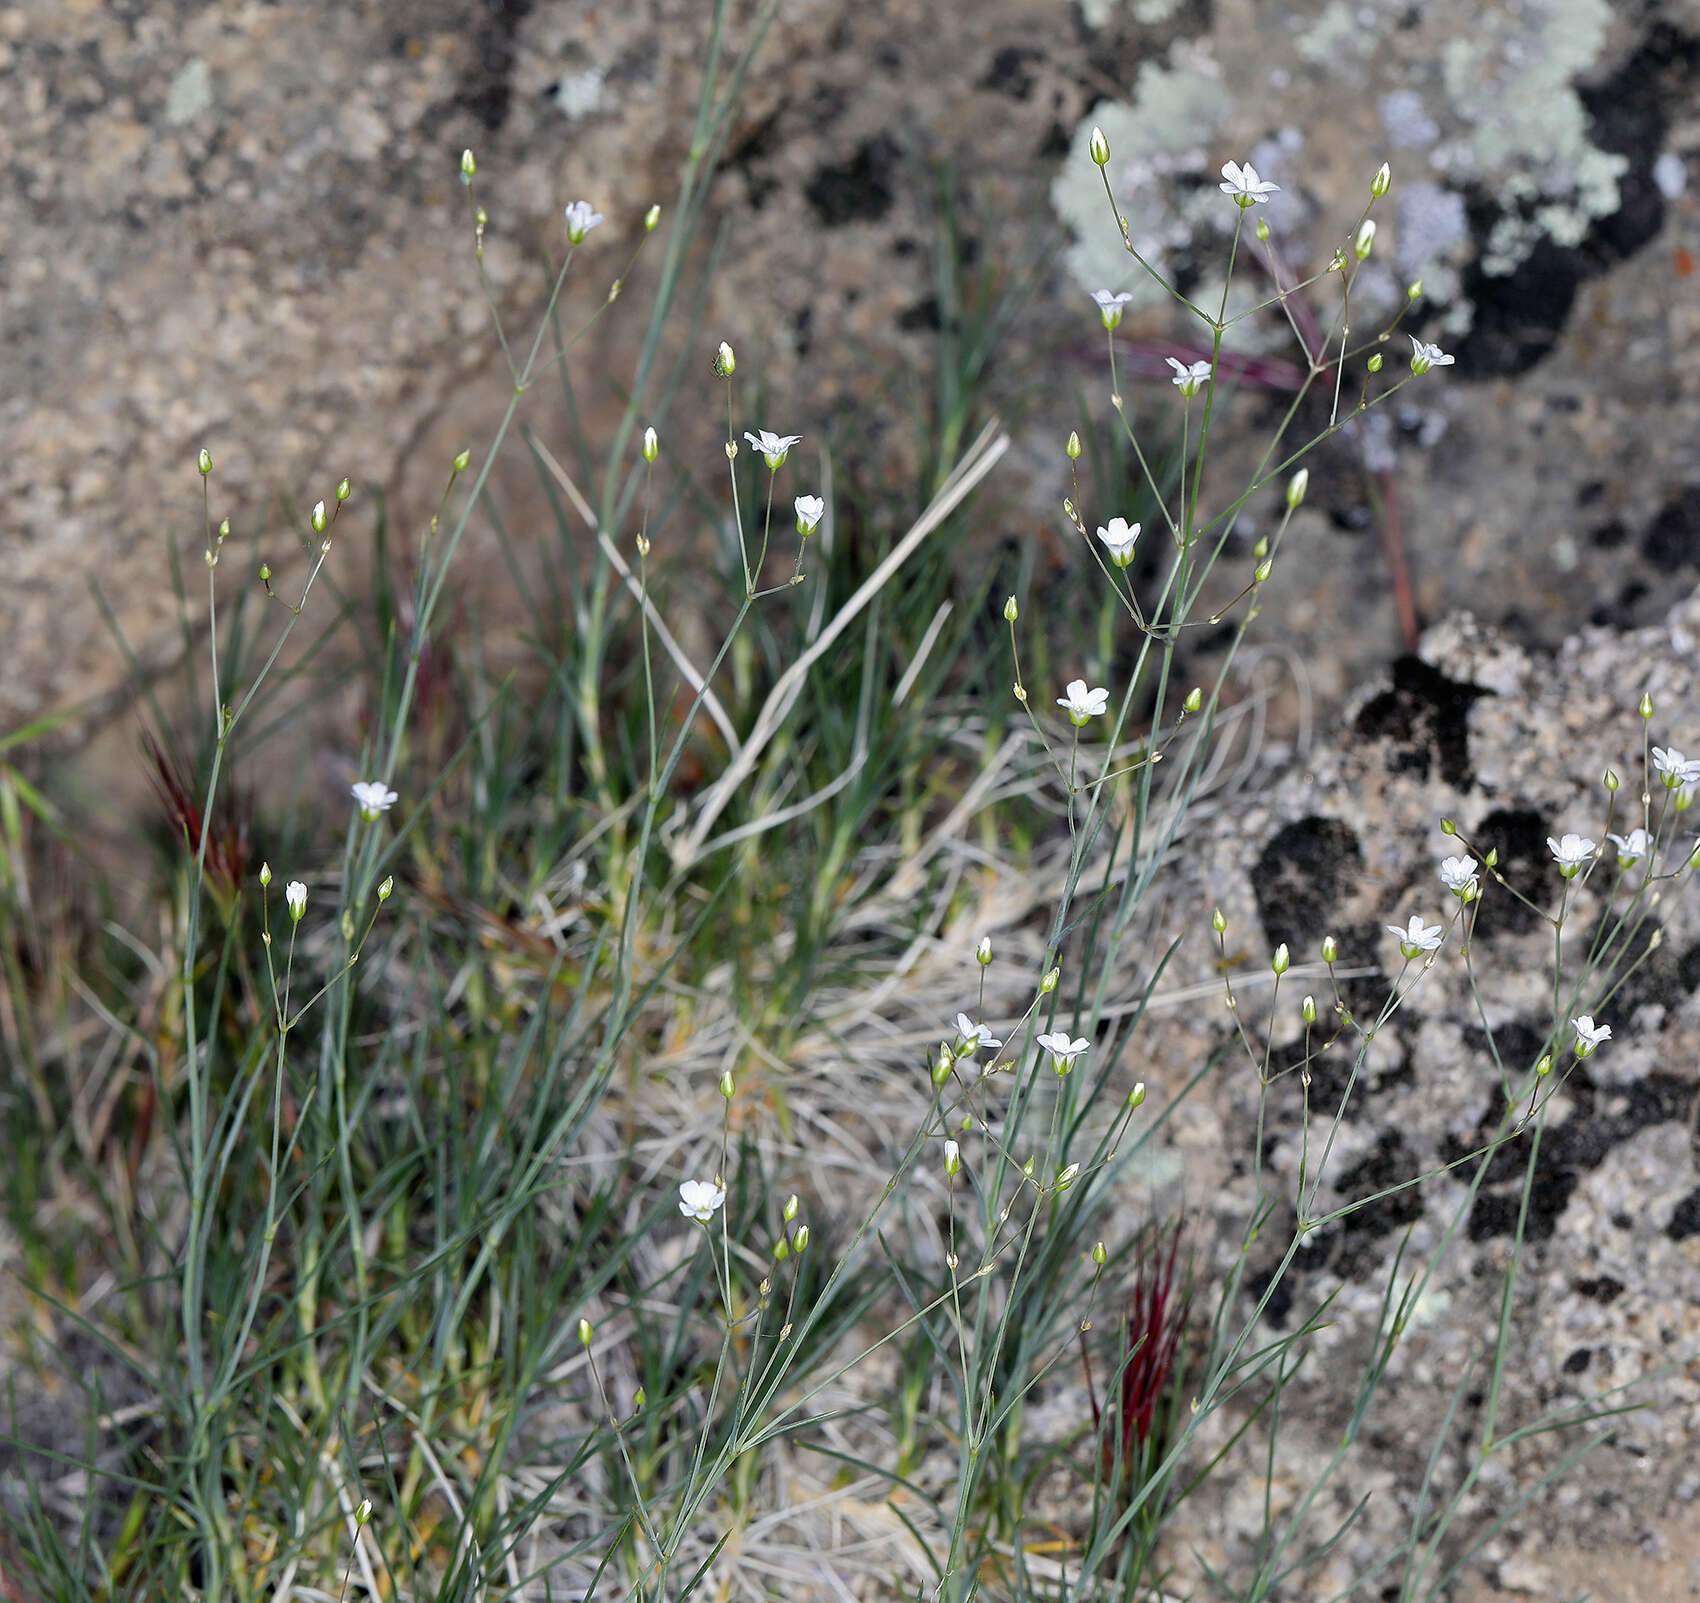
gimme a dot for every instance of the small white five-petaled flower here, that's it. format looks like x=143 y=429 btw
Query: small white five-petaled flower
x=581 y=218
x=1063 y=1050
x=1110 y=306
x=1244 y=186
x=295 y=898
x=1081 y=703
x=1674 y=769
x=973 y=1036
x=772 y=446
x=374 y=798
x=1118 y=536
x=1571 y=853
x=700 y=1199
x=809 y=509
x=1458 y=874
x=1190 y=377
x=1588 y=1034
x=1631 y=848
x=1423 y=357
x=1417 y=936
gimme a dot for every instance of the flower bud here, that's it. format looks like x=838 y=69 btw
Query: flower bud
x=1194 y=700
x=725 y=363
x=1137 y=1094
x=1010 y=611
x=1100 y=1254
x=1282 y=960
x=462 y=459
x=1068 y=1176
x=781 y=1250
x=952 y=1157
x=789 y=1212
x=265 y=875
x=318 y=517
x=1099 y=147
x=1261 y=549
x=1296 y=487
x=1414 y=291
x=1310 y=1010
x=1611 y=781
x=387 y=886
x=651 y=219
x=1382 y=182
x=651 y=444
x=363 y=1514
x=1027 y=1169
x=983 y=952
x=344 y=490
x=1262 y=572
x=585 y=1332
x=1262 y=231
x=800 y=1241
x=947 y=1060
x=1374 y=363
x=204 y=462
x=1365 y=241
x=295 y=897
x=468 y=165
x=265 y=572
x=1544 y=1067
x=1073 y=446
x=1646 y=707
x=639 y=1398
x=1330 y=949
x=727 y=1084
x=1049 y=983
x=1447 y=827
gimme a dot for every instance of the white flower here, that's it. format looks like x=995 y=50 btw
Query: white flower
x=772 y=446
x=1243 y=184
x=1423 y=357
x=1458 y=874
x=1118 y=536
x=1588 y=1034
x=581 y=218
x=1081 y=703
x=1189 y=378
x=1673 y=768
x=1417 y=936
x=1631 y=848
x=699 y=1199
x=809 y=509
x=1571 y=853
x=973 y=1036
x=1110 y=306
x=1063 y=1051
x=373 y=797
x=295 y=895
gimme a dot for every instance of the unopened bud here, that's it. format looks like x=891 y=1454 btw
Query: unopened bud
x=586 y=1332
x=1100 y=1254
x=1382 y=182
x=781 y=1250
x=265 y=572
x=1073 y=446
x=318 y=517
x=1010 y=611
x=1365 y=242
x=462 y=459
x=651 y=219
x=1099 y=147
x=952 y=1157
x=1544 y=1067
x=983 y=952
x=1049 y=983
x=204 y=461
x=1611 y=781
x=1137 y=1094
x=1330 y=949
x=1282 y=960
x=789 y=1212
x=727 y=1084
x=1310 y=1010
x=1068 y=1176
x=1414 y=291
x=1261 y=549
x=801 y=1240
x=363 y=1514
x=468 y=165
x=1262 y=231
x=651 y=445
x=1219 y=921
x=1262 y=572
x=1374 y=363
x=639 y=1398
x=725 y=363
x=1646 y=707
x=1447 y=827
x=265 y=875
x=385 y=889
x=1296 y=487
x=1194 y=700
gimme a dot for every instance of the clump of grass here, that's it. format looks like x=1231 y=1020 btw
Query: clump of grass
x=511 y=1239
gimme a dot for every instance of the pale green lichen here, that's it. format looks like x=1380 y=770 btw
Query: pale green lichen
x=190 y=93
x=1099 y=13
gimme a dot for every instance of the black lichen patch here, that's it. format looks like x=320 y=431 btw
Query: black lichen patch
x=1009 y=73
x=1520 y=316
x=1389 y=1164
x=1519 y=836
x=1427 y=717
x=1601 y=1119
x=924 y=314
x=859 y=190
x=1518 y=1046
x=747 y=154
x=486 y=89
x=1685 y=1220
x=1301 y=879
x=1671 y=541
x=1579 y=1360
x=1603 y=1289
x=1651 y=974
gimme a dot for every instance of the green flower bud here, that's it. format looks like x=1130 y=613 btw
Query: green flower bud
x=1447 y=827
x=385 y=889
x=1611 y=781
x=468 y=166
x=1282 y=960
x=1010 y=611
x=983 y=952
x=789 y=1212
x=363 y=1514
x=1374 y=363
x=1073 y=446
x=1194 y=700
x=1100 y=1254
x=1382 y=182
x=801 y=1240
x=651 y=445
x=1264 y=569
x=1414 y=291
x=1310 y=1010
x=1099 y=147
x=586 y=1332
x=1296 y=487
x=1330 y=949
x=725 y=361
x=1262 y=231
x=1646 y=708
x=651 y=219
x=1219 y=922
x=344 y=490
x=265 y=875
x=1049 y=983
x=1136 y=1095
x=462 y=459
x=204 y=462
x=781 y=1250
x=727 y=1084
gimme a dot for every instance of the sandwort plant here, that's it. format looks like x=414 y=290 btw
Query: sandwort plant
x=493 y=1254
